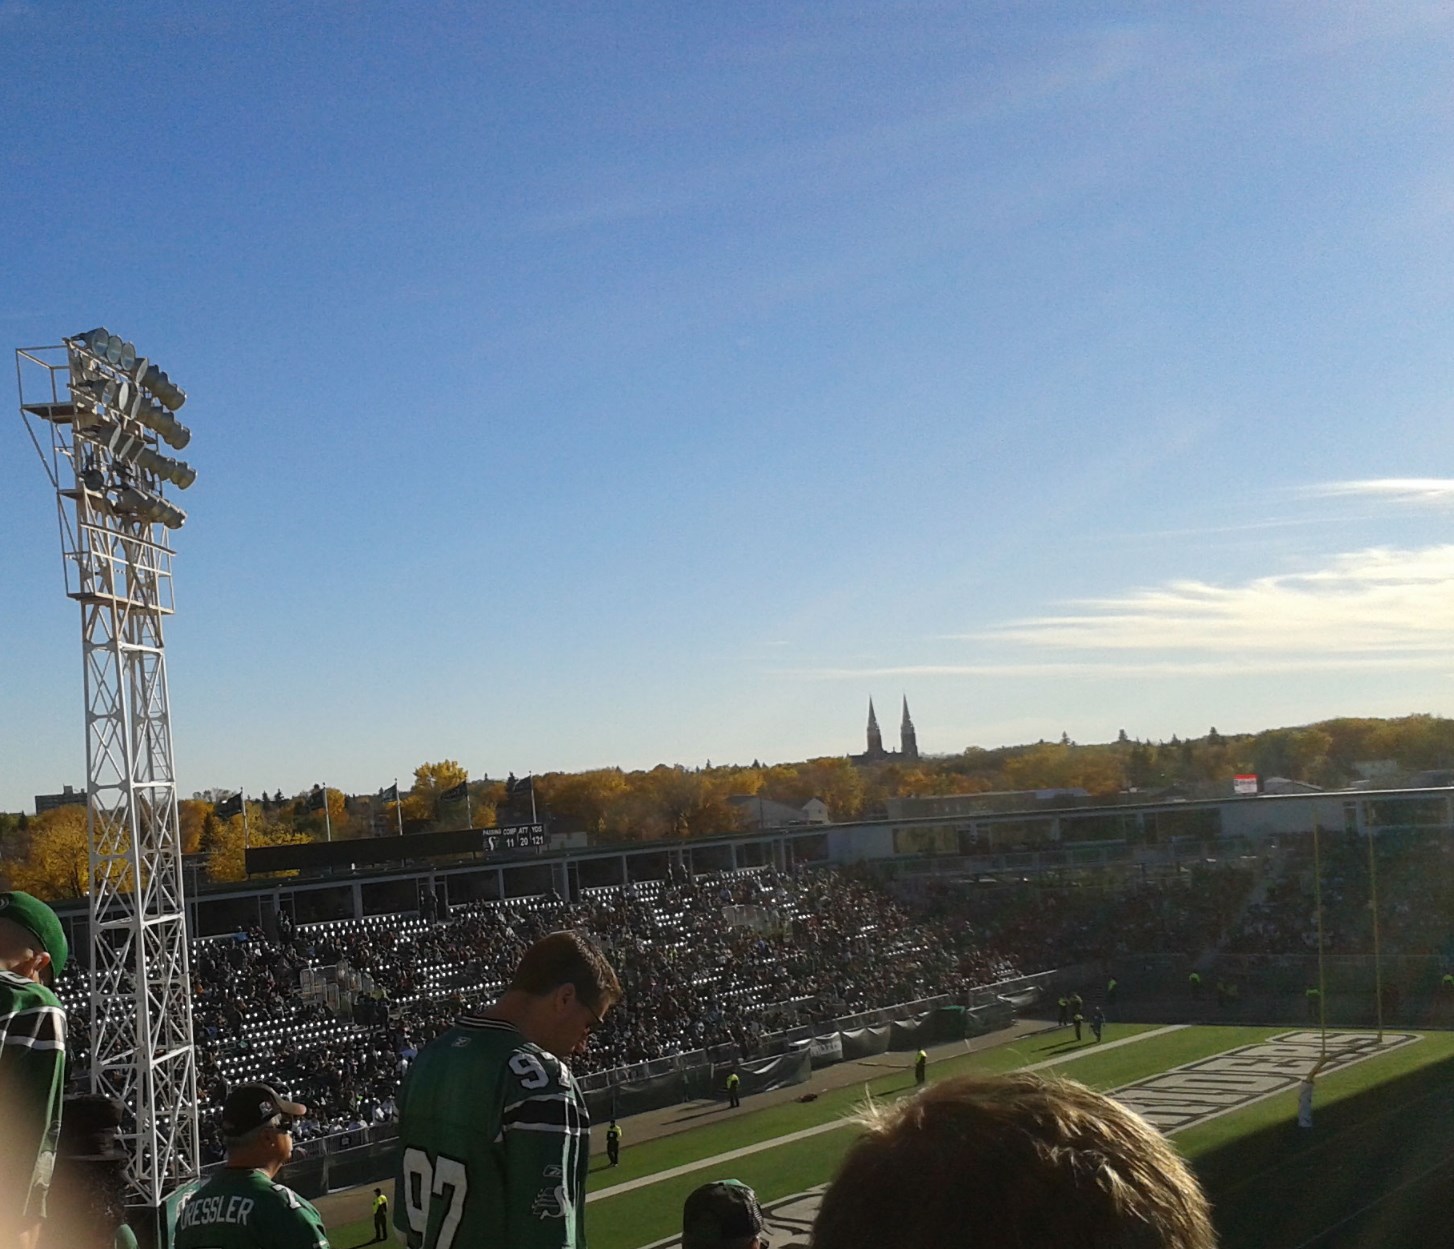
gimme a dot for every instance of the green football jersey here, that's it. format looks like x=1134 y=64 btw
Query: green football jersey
x=494 y=1144
x=32 y=1084
x=243 y=1209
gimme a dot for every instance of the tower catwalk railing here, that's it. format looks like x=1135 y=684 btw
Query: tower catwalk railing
x=95 y=413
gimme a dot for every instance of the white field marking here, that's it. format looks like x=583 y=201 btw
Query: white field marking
x=1284 y=1058
x=833 y=1125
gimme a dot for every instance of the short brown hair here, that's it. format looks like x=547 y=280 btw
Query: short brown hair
x=567 y=957
x=1009 y=1161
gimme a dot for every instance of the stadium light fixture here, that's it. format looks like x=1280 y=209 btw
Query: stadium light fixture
x=109 y=410
x=152 y=508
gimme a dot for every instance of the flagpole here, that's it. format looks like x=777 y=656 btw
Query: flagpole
x=533 y=818
x=398 y=806
x=242 y=793
x=327 y=823
x=469 y=817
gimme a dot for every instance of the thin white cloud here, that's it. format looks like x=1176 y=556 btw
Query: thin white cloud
x=1437 y=490
x=1380 y=609
x=1378 y=601
x=1219 y=666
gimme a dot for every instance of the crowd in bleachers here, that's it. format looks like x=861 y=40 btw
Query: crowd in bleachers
x=1048 y=924
x=334 y=1012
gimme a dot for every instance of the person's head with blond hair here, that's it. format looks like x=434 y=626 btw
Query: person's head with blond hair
x=996 y=1162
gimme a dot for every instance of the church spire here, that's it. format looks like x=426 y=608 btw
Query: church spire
x=875 y=738
x=908 y=739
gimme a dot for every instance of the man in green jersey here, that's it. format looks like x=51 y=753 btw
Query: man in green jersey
x=241 y=1207
x=33 y=952
x=494 y=1136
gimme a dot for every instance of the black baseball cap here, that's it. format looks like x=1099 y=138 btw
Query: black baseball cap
x=250 y=1106
x=721 y=1215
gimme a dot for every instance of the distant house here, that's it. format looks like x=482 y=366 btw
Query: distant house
x=1376 y=769
x=1282 y=785
x=760 y=812
x=67 y=798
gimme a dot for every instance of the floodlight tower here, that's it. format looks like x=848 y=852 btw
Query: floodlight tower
x=97 y=414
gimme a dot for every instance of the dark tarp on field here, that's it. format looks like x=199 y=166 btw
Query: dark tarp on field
x=863 y=1042
x=760 y=1075
x=911 y=1034
x=826 y=1049
x=653 y=1093
x=947 y=1023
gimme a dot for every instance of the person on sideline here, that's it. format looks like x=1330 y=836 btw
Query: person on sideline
x=1001 y=1162
x=613 y=1143
x=381 y=1215
x=921 y=1067
x=494 y=1136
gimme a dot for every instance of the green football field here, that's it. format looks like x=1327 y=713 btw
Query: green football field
x=1374 y=1171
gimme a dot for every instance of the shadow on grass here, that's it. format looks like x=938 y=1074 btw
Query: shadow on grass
x=1373 y=1171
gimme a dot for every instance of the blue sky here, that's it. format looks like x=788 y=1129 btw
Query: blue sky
x=581 y=384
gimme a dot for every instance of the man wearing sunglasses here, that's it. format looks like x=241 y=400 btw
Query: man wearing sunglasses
x=241 y=1206
x=494 y=1136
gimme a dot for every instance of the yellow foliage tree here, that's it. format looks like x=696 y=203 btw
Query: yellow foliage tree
x=231 y=839
x=55 y=865
x=191 y=814
x=431 y=780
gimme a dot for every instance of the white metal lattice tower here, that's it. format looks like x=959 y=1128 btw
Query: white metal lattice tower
x=102 y=410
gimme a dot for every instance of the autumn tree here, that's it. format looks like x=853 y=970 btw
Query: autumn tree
x=55 y=864
x=431 y=782
x=256 y=828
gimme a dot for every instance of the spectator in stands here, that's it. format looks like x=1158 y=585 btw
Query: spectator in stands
x=241 y=1206
x=490 y=1108
x=722 y=1215
x=1007 y=1161
x=88 y=1190
x=33 y=951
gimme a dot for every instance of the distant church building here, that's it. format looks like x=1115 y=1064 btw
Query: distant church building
x=908 y=751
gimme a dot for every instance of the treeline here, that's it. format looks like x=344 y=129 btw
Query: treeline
x=47 y=853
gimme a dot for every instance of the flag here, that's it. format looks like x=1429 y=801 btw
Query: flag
x=317 y=800
x=523 y=787
x=455 y=793
x=229 y=807
x=389 y=793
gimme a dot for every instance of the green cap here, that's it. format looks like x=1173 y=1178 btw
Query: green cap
x=41 y=922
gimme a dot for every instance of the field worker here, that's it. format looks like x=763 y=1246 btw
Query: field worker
x=494 y=1135
x=242 y=1206
x=1194 y=982
x=921 y=1067
x=1079 y=1023
x=1305 y=1094
x=734 y=1083
x=381 y=1215
x=722 y=1215
x=1064 y=1017
x=1098 y=1022
x=613 y=1143
x=1111 y=986
x=33 y=951
x=1004 y=1162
